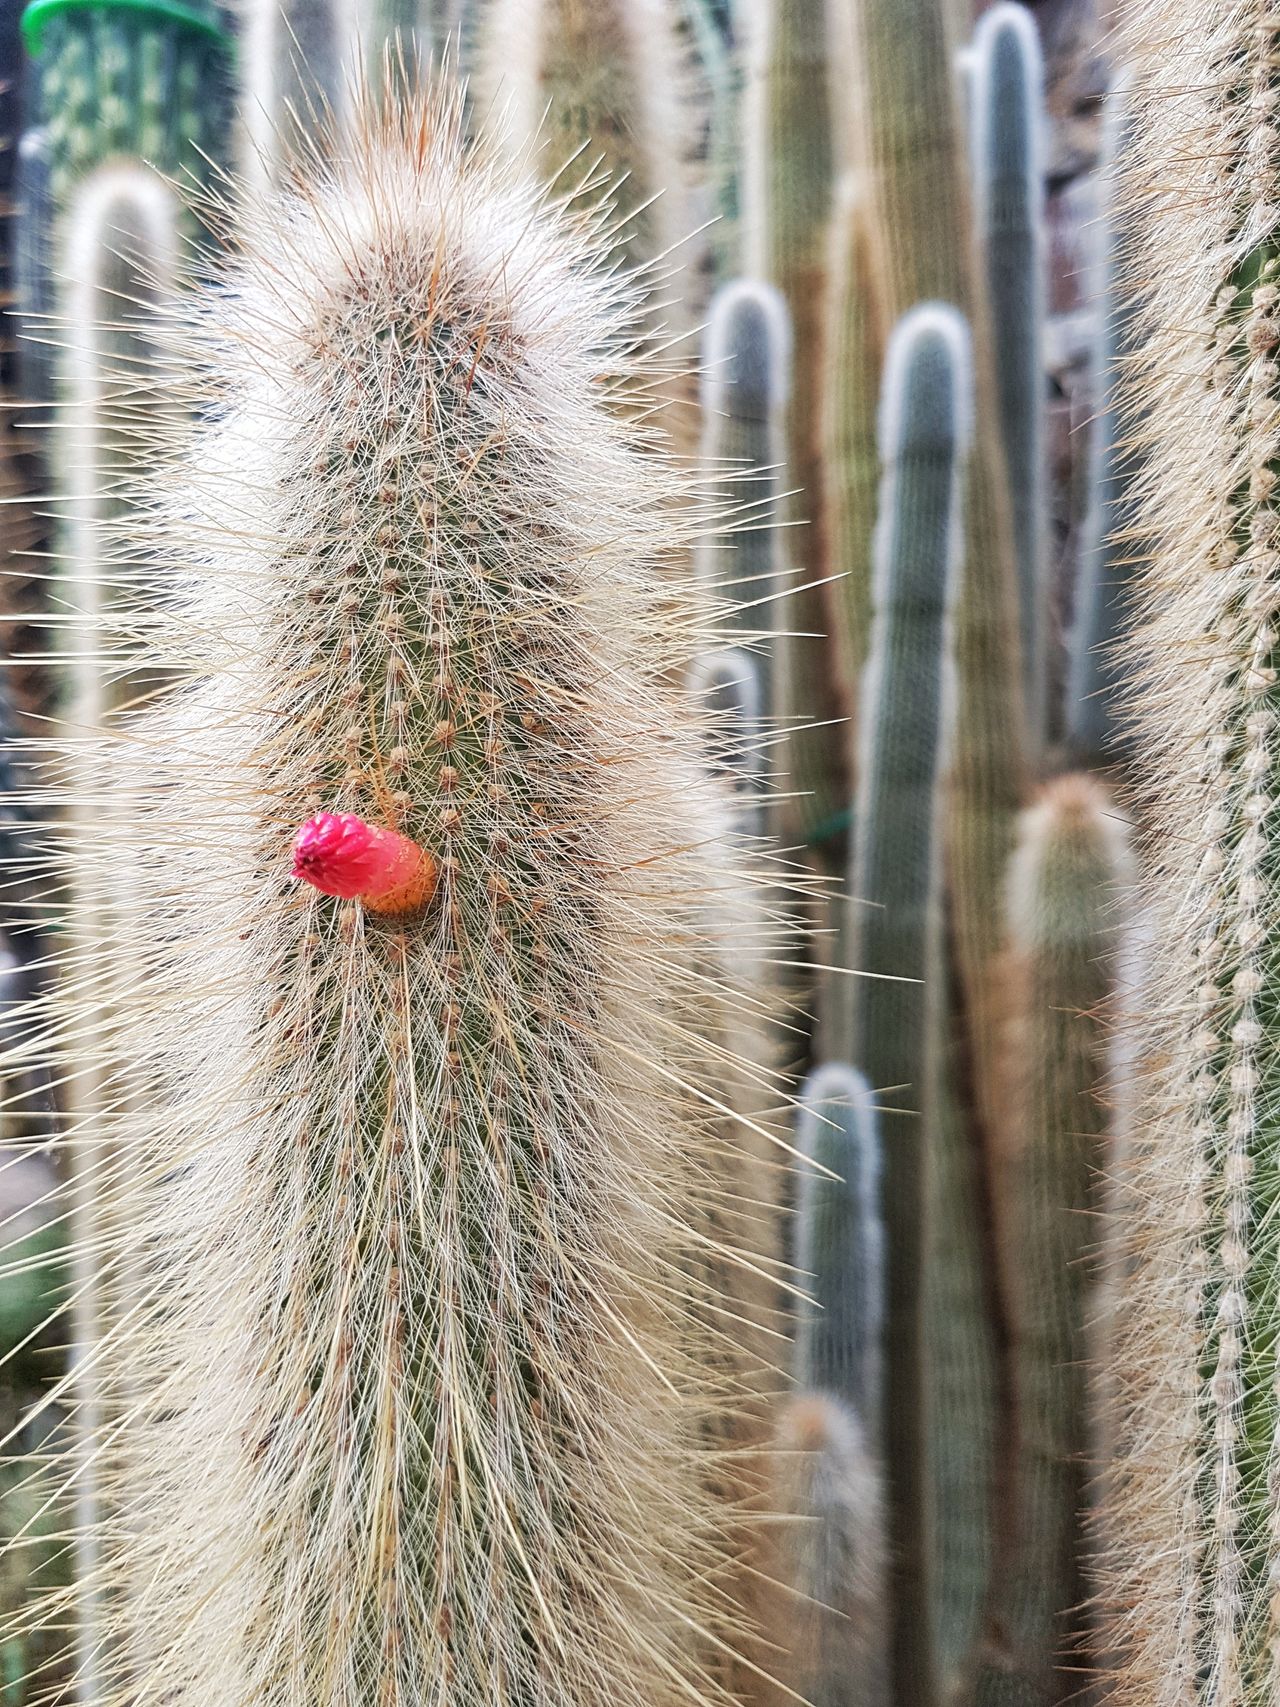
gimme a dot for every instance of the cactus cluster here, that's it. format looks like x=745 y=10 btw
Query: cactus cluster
x=469 y=682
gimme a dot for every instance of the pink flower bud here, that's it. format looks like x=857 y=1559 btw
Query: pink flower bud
x=340 y=854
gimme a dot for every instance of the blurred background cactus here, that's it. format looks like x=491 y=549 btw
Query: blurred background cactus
x=897 y=346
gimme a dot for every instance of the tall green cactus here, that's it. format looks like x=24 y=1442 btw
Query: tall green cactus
x=896 y=58
x=424 y=1180
x=298 y=60
x=1066 y=917
x=1008 y=151
x=1194 y=1531
x=595 y=87
x=1101 y=613
x=140 y=79
x=719 y=62
x=790 y=167
x=840 y=1250
x=746 y=381
x=898 y=1019
x=835 y=1562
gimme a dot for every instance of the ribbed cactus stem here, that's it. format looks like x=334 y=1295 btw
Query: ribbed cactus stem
x=144 y=82
x=1008 y=148
x=898 y=999
x=789 y=167
x=1195 y=1528
x=1108 y=551
x=840 y=1247
x=1067 y=895
x=428 y=1193
x=593 y=89
x=298 y=61
x=830 y=1489
x=746 y=362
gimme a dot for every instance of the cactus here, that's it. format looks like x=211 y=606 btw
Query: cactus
x=897 y=1023
x=854 y=341
x=746 y=367
x=298 y=61
x=840 y=1243
x=728 y=683
x=596 y=87
x=789 y=170
x=831 y=1490
x=1193 y=1530
x=1101 y=612
x=1008 y=170
x=118 y=78
x=719 y=72
x=1065 y=926
x=895 y=59
x=419 y=1186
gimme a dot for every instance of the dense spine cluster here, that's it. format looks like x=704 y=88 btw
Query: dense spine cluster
x=442 y=1195
x=1195 y=1528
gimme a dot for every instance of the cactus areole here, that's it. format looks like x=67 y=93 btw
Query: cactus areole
x=197 y=17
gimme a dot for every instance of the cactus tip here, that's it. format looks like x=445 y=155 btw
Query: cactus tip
x=339 y=854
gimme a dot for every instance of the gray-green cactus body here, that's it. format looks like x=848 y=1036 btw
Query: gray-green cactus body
x=746 y=363
x=898 y=1020
x=148 y=82
x=1008 y=155
x=1102 y=609
x=840 y=1247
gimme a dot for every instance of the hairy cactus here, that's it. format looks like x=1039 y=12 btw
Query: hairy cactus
x=712 y=35
x=1065 y=929
x=1008 y=177
x=790 y=166
x=746 y=367
x=144 y=81
x=594 y=86
x=1194 y=1529
x=1101 y=610
x=840 y=1251
x=428 y=1189
x=830 y=1488
x=898 y=1019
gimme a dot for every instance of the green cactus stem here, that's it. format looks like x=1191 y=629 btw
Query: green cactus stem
x=298 y=62
x=1008 y=149
x=745 y=386
x=1102 y=616
x=840 y=1250
x=898 y=1019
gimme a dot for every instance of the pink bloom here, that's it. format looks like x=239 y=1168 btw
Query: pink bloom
x=340 y=854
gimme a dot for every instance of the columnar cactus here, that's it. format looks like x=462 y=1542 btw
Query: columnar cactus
x=746 y=367
x=1008 y=183
x=715 y=42
x=1101 y=608
x=594 y=87
x=116 y=78
x=298 y=62
x=830 y=1488
x=417 y=1184
x=790 y=166
x=1194 y=1531
x=896 y=58
x=840 y=1252
x=898 y=1020
x=1066 y=916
